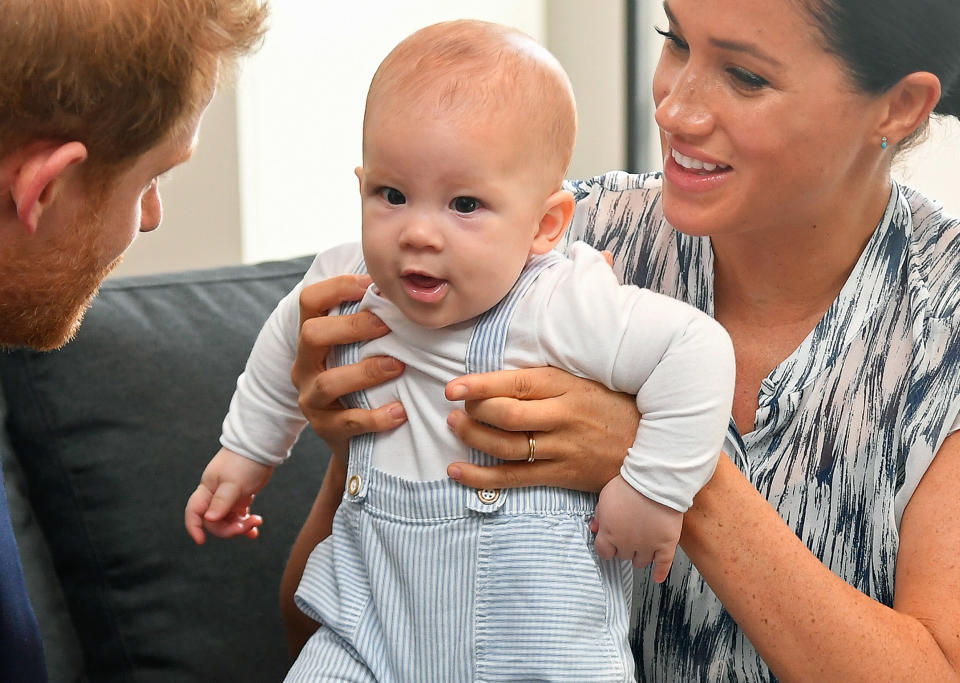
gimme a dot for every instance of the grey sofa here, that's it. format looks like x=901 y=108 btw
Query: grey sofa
x=103 y=442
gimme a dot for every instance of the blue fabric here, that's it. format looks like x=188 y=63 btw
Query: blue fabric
x=21 y=652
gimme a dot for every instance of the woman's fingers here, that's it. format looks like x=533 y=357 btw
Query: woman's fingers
x=349 y=422
x=319 y=390
x=526 y=385
x=512 y=475
x=504 y=445
x=553 y=466
x=323 y=332
x=317 y=299
x=582 y=429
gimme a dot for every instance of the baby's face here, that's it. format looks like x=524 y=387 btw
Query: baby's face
x=450 y=209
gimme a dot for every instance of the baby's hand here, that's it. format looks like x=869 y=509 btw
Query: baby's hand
x=632 y=527
x=221 y=503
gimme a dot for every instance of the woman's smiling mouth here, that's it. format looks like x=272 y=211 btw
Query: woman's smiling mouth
x=692 y=164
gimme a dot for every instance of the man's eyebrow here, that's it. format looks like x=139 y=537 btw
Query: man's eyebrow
x=733 y=45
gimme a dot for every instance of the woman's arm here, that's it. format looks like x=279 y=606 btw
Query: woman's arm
x=806 y=622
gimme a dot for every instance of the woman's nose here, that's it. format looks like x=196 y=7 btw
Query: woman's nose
x=684 y=103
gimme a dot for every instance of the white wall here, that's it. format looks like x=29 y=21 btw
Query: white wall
x=589 y=44
x=934 y=167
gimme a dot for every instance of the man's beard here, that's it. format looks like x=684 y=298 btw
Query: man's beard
x=43 y=301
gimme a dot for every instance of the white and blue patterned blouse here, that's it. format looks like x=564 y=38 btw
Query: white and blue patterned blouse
x=846 y=425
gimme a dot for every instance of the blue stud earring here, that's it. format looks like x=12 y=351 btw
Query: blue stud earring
x=883 y=142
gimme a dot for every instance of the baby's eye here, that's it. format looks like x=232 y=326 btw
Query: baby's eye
x=393 y=196
x=465 y=204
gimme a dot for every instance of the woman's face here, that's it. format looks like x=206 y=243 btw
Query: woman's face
x=759 y=125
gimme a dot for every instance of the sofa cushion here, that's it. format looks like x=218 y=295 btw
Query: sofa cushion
x=112 y=433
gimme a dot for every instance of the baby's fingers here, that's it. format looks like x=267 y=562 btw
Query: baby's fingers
x=197 y=505
x=605 y=549
x=229 y=527
x=225 y=499
x=662 y=560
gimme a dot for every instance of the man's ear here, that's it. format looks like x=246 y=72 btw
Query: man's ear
x=909 y=104
x=557 y=212
x=36 y=181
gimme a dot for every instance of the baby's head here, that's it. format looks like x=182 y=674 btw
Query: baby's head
x=468 y=132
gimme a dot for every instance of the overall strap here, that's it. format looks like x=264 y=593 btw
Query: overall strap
x=361 y=446
x=485 y=354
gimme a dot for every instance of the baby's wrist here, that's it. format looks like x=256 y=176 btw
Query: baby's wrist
x=670 y=499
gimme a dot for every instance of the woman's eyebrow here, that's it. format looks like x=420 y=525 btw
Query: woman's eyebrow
x=733 y=45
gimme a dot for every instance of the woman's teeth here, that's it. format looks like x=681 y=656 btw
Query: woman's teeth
x=695 y=164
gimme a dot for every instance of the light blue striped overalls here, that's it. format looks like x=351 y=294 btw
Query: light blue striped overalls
x=433 y=581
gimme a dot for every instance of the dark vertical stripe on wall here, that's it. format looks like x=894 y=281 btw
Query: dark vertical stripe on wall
x=638 y=100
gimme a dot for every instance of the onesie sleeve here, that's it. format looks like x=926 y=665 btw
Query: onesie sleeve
x=677 y=360
x=264 y=418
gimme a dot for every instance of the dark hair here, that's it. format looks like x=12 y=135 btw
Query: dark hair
x=881 y=41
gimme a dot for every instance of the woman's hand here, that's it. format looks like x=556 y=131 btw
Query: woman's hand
x=320 y=389
x=582 y=429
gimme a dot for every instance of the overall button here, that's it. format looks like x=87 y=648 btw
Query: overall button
x=488 y=496
x=353 y=485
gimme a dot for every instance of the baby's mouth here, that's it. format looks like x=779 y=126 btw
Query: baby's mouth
x=424 y=288
x=424 y=282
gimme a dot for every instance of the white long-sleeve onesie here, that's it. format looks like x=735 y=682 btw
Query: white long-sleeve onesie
x=576 y=316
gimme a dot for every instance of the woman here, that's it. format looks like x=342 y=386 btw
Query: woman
x=825 y=544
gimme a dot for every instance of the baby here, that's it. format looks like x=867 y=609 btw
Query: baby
x=468 y=131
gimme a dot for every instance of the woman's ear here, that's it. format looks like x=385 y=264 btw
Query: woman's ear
x=909 y=104
x=557 y=212
x=39 y=176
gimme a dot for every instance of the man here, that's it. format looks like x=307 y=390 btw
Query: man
x=98 y=99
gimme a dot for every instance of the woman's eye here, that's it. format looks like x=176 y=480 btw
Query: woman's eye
x=675 y=40
x=393 y=196
x=465 y=204
x=747 y=78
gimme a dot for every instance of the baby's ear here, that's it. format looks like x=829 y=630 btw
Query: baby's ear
x=557 y=212
x=37 y=180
